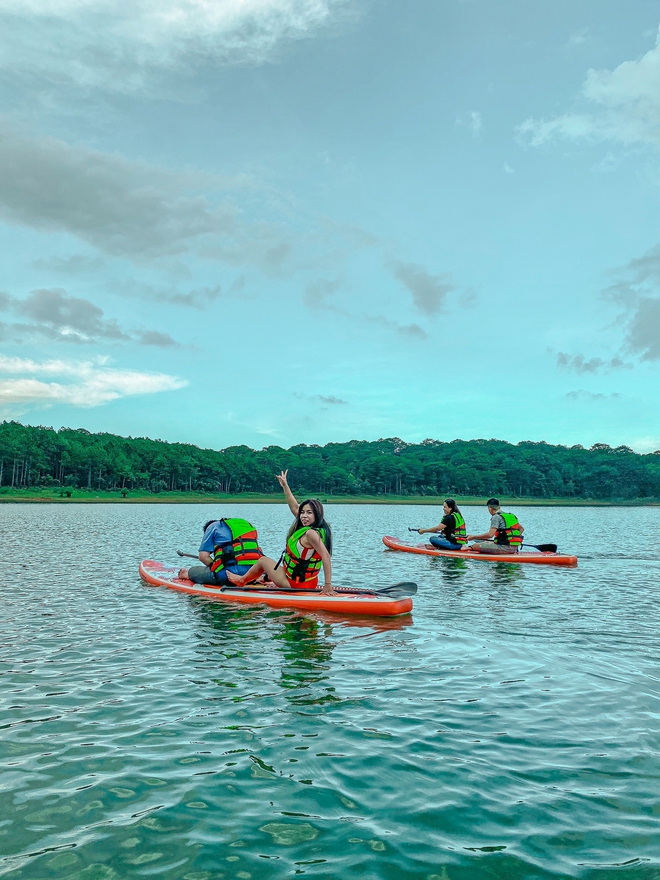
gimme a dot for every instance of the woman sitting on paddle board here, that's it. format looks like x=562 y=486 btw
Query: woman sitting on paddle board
x=454 y=535
x=308 y=548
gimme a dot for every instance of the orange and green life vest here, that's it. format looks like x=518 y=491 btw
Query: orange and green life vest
x=297 y=568
x=242 y=550
x=510 y=535
x=459 y=535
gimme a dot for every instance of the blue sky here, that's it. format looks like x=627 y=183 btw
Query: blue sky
x=283 y=221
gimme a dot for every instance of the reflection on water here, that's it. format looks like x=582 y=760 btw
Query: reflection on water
x=506 y=574
x=306 y=650
x=452 y=569
x=501 y=731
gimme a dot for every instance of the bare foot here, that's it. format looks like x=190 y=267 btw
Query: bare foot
x=235 y=579
x=183 y=574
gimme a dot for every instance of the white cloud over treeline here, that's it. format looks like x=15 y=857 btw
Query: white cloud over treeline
x=80 y=383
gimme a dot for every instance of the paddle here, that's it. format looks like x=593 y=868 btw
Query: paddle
x=189 y=555
x=544 y=548
x=395 y=591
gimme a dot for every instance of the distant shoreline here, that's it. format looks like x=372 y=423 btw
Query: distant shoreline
x=81 y=496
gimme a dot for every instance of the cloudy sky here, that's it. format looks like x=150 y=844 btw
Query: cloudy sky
x=283 y=221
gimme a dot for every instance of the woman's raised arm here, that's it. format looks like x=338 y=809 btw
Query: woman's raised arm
x=288 y=494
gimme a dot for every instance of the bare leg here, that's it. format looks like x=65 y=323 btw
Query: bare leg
x=265 y=564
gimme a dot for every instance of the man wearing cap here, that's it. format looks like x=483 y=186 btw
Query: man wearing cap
x=504 y=535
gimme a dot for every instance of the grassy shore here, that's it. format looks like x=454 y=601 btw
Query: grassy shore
x=87 y=496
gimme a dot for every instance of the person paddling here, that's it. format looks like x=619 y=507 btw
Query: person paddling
x=452 y=527
x=228 y=545
x=504 y=535
x=308 y=549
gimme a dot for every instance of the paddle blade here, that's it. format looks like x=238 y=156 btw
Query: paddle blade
x=398 y=591
x=546 y=548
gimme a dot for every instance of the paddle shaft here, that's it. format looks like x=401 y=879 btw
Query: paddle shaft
x=395 y=591
x=544 y=548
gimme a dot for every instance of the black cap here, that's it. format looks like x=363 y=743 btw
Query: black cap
x=492 y=502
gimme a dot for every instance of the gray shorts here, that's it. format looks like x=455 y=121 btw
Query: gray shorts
x=202 y=574
x=489 y=547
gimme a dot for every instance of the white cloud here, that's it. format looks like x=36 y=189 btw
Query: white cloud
x=624 y=107
x=644 y=329
x=129 y=209
x=120 y=44
x=82 y=383
x=471 y=120
x=124 y=208
x=636 y=290
x=582 y=395
x=579 y=364
x=429 y=292
x=646 y=444
x=64 y=318
x=578 y=37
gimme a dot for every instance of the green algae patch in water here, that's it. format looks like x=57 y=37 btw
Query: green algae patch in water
x=290 y=835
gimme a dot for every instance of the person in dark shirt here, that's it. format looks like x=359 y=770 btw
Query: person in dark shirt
x=452 y=528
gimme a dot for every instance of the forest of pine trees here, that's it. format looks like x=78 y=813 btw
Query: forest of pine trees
x=46 y=458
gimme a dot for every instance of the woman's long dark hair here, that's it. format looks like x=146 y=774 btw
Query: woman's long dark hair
x=319 y=522
x=453 y=507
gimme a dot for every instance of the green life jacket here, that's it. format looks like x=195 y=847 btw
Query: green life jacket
x=242 y=550
x=510 y=535
x=459 y=535
x=297 y=568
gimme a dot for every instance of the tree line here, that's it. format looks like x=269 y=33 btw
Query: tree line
x=45 y=458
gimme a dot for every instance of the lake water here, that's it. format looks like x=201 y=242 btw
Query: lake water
x=507 y=729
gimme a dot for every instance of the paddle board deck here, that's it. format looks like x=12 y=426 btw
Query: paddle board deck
x=157 y=574
x=521 y=557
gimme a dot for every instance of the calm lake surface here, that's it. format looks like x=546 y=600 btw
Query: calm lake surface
x=507 y=729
